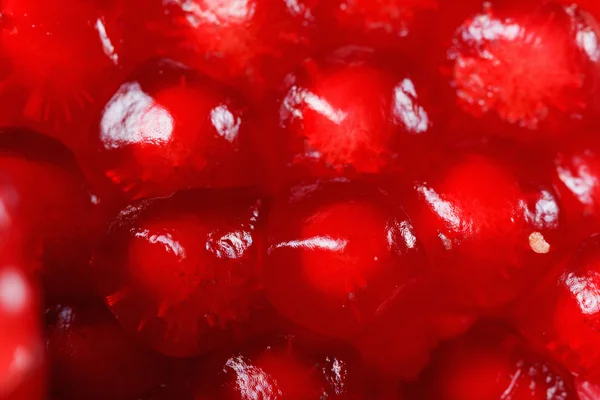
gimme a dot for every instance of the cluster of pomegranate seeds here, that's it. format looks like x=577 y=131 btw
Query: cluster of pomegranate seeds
x=299 y=199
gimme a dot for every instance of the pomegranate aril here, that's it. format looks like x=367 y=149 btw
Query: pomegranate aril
x=183 y=273
x=576 y=177
x=337 y=252
x=251 y=44
x=351 y=112
x=22 y=349
x=49 y=209
x=526 y=69
x=587 y=390
x=285 y=368
x=562 y=314
x=56 y=59
x=494 y=364
x=490 y=227
x=87 y=349
x=170 y=128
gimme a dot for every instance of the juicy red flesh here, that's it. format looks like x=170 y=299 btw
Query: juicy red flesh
x=181 y=273
x=577 y=168
x=351 y=112
x=489 y=230
x=337 y=252
x=56 y=59
x=587 y=390
x=87 y=348
x=565 y=312
x=285 y=368
x=251 y=44
x=526 y=68
x=21 y=352
x=169 y=128
x=299 y=199
x=49 y=210
x=495 y=365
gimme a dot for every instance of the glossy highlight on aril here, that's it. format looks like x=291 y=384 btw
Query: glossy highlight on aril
x=181 y=272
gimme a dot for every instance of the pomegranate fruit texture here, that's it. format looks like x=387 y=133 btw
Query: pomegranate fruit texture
x=299 y=199
x=56 y=60
x=168 y=127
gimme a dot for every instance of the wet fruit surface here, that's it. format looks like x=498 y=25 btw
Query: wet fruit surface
x=289 y=368
x=249 y=43
x=495 y=365
x=182 y=272
x=50 y=209
x=299 y=199
x=565 y=322
x=487 y=228
x=342 y=248
x=577 y=167
x=351 y=111
x=587 y=390
x=500 y=67
x=55 y=58
x=170 y=128
x=21 y=353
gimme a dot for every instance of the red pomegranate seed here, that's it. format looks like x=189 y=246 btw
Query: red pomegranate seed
x=353 y=112
x=182 y=272
x=249 y=43
x=56 y=58
x=87 y=349
x=530 y=69
x=490 y=228
x=576 y=178
x=338 y=252
x=563 y=313
x=48 y=207
x=21 y=352
x=285 y=368
x=495 y=365
x=169 y=128
x=587 y=390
